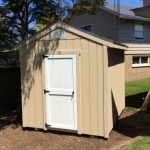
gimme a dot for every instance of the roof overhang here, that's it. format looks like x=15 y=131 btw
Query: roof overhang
x=143 y=11
x=72 y=29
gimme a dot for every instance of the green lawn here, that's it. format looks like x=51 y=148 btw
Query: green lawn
x=143 y=144
x=135 y=92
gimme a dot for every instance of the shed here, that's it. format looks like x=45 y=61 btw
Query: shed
x=72 y=80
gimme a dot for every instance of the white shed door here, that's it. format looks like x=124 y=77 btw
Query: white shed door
x=61 y=101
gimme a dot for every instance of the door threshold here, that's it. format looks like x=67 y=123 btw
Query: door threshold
x=62 y=130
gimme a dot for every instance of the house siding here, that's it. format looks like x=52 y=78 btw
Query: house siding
x=102 y=23
x=127 y=32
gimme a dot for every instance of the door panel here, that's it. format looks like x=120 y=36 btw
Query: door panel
x=61 y=111
x=61 y=103
x=62 y=76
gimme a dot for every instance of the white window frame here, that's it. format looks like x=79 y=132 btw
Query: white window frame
x=87 y=26
x=141 y=64
x=139 y=23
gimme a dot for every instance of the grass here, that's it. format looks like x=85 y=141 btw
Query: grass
x=135 y=92
x=143 y=144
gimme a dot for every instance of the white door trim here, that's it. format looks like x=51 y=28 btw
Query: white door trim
x=68 y=92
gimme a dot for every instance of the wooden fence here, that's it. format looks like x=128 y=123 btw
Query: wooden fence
x=10 y=85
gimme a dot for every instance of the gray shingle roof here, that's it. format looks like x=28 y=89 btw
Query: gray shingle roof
x=125 y=11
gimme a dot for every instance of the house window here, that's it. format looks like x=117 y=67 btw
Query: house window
x=139 y=31
x=87 y=28
x=140 y=61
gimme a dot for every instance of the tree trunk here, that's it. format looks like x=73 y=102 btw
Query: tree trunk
x=24 y=27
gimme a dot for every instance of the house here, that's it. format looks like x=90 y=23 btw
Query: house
x=143 y=11
x=134 y=31
x=70 y=80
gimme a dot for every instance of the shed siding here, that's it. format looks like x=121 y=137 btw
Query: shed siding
x=85 y=87
x=31 y=77
x=127 y=32
x=93 y=88
x=91 y=81
x=100 y=90
x=115 y=95
x=102 y=23
x=98 y=73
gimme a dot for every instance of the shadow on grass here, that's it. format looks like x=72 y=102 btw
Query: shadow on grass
x=134 y=124
x=135 y=101
x=10 y=116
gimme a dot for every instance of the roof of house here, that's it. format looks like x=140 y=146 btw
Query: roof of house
x=125 y=12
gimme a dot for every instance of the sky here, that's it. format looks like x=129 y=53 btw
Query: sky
x=134 y=3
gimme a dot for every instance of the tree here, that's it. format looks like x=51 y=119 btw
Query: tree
x=7 y=37
x=18 y=15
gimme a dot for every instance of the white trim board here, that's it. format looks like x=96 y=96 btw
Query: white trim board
x=136 y=52
x=61 y=96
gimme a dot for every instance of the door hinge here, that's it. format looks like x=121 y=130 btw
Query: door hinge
x=46 y=125
x=46 y=91
x=45 y=56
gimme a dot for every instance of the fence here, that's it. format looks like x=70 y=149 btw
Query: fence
x=10 y=85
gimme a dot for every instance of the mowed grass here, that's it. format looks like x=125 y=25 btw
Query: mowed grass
x=143 y=144
x=135 y=93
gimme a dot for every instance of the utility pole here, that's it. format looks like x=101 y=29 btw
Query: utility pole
x=116 y=20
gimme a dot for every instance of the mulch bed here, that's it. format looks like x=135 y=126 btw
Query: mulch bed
x=12 y=136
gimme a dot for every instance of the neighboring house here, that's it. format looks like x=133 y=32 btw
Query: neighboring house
x=143 y=11
x=134 y=32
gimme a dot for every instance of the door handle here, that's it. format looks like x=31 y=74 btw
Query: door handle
x=72 y=92
x=46 y=91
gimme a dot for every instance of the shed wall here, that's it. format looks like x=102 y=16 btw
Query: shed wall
x=90 y=87
x=116 y=90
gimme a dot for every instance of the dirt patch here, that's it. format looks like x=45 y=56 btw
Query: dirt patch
x=12 y=136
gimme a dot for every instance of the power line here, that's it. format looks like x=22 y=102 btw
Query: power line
x=116 y=20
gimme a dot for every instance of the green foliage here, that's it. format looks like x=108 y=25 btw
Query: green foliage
x=7 y=37
x=10 y=58
x=135 y=92
x=86 y=6
x=19 y=14
x=39 y=27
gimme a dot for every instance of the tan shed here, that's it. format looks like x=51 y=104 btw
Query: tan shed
x=72 y=80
